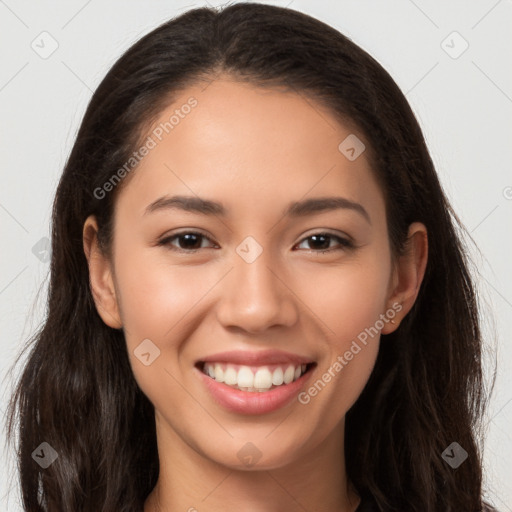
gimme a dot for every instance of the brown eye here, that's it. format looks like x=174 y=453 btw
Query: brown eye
x=188 y=241
x=320 y=242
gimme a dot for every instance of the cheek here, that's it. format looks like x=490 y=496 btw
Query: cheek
x=157 y=303
x=155 y=297
x=349 y=300
x=350 y=297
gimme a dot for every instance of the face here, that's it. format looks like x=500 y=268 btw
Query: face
x=257 y=283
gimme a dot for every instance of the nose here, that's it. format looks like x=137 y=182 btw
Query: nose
x=256 y=296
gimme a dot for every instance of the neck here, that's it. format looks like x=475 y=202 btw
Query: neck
x=190 y=482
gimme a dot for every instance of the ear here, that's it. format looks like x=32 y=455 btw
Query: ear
x=408 y=274
x=101 y=279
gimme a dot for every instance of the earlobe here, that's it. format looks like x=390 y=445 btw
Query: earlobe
x=408 y=274
x=101 y=281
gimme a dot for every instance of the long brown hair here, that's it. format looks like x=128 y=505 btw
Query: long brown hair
x=77 y=391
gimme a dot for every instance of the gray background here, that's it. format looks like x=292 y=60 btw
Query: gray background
x=462 y=100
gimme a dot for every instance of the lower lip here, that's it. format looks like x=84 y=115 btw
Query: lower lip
x=246 y=402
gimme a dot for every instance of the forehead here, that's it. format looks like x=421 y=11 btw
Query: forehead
x=242 y=143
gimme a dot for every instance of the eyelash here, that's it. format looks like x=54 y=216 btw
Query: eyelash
x=344 y=242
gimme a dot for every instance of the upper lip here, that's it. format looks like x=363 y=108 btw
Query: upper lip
x=256 y=358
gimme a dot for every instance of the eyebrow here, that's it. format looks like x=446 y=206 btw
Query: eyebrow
x=303 y=208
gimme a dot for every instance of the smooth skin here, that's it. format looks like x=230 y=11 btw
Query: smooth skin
x=255 y=151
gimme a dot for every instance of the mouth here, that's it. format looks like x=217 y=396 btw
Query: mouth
x=254 y=378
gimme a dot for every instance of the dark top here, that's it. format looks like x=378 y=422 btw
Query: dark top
x=367 y=504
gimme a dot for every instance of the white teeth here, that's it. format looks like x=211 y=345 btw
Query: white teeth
x=230 y=376
x=218 y=373
x=243 y=377
x=277 y=377
x=263 y=379
x=289 y=374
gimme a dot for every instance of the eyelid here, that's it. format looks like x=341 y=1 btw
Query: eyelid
x=345 y=242
x=330 y=232
x=164 y=240
x=186 y=231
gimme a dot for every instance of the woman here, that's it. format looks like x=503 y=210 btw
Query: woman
x=206 y=342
